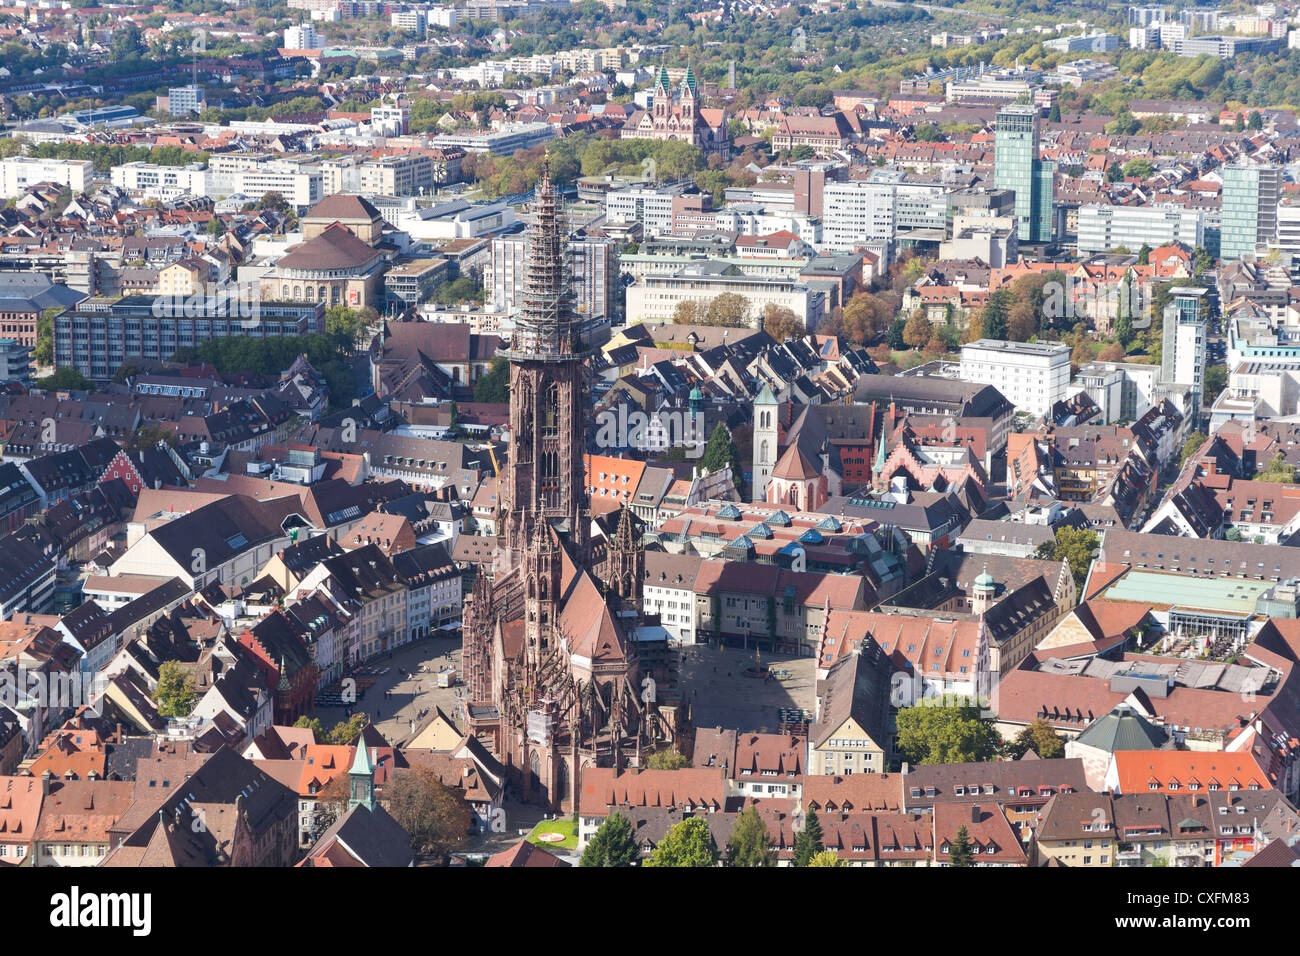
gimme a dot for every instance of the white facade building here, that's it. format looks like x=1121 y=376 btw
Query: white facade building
x=1033 y=376
x=161 y=182
x=304 y=37
x=655 y=297
x=651 y=206
x=255 y=175
x=1103 y=228
x=19 y=173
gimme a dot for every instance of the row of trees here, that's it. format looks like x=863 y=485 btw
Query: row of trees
x=691 y=844
x=327 y=354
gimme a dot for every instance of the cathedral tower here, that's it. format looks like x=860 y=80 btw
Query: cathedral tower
x=545 y=479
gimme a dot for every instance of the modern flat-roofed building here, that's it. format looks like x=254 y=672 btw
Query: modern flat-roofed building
x=593 y=271
x=15 y=362
x=186 y=100
x=1185 y=327
x=1103 y=228
x=409 y=174
x=100 y=335
x=655 y=297
x=255 y=174
x=1018 y=168
x=1251 y=195
x=500 y=142
x=407 y=284
x=1032 y=375
x=18 y=173
x=154 y=181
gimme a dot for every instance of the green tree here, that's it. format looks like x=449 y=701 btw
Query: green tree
x=1054 y=114
x=65 y=379
x=666 y=759
x=175 y=695
x=995 y=314
x=1216 y=380
x=274 y=201
x=827 y=858
x=1256 y=121
x=1114 y=172
x=959 y=850
x=1124 y=124
x=494 y=384
x=436 y=817
x=1278 y=470
x=43 y=353
x=612 y=844
x=808 y=841
x=1139 y=167
x=720 y=452
x=1191 y=446
x=346 y=732
x=1144 y=255
x=348 y=325
x=689 y=843
x=1123 y=327
x=1040 y=737
x=894 y=337
x=749 y=844
x=1075 y=546
x=313 y=724
x=946 y=733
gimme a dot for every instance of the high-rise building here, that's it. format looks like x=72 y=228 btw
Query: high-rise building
x=186 y=100
x=1182 y=356
x=1017 y=167
x=1251 y=194
x=304 y=37
x=593 y=278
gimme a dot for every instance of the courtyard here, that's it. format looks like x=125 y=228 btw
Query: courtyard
x=714 y=679
x=410 y=675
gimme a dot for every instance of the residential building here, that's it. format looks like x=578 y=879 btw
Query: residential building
x=1033 y=376
x=1185 y=329
x=1251 y=195
x=20 y=172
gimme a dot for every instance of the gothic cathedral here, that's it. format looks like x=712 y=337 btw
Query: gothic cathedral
x=549 y=650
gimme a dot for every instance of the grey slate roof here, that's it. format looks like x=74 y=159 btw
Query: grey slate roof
x=1123 y=729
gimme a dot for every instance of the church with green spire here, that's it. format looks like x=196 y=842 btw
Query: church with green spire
x=676 y=113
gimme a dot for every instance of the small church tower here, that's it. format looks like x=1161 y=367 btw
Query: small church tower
x=767 y=437
x=362 y=778
x=982 y=594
